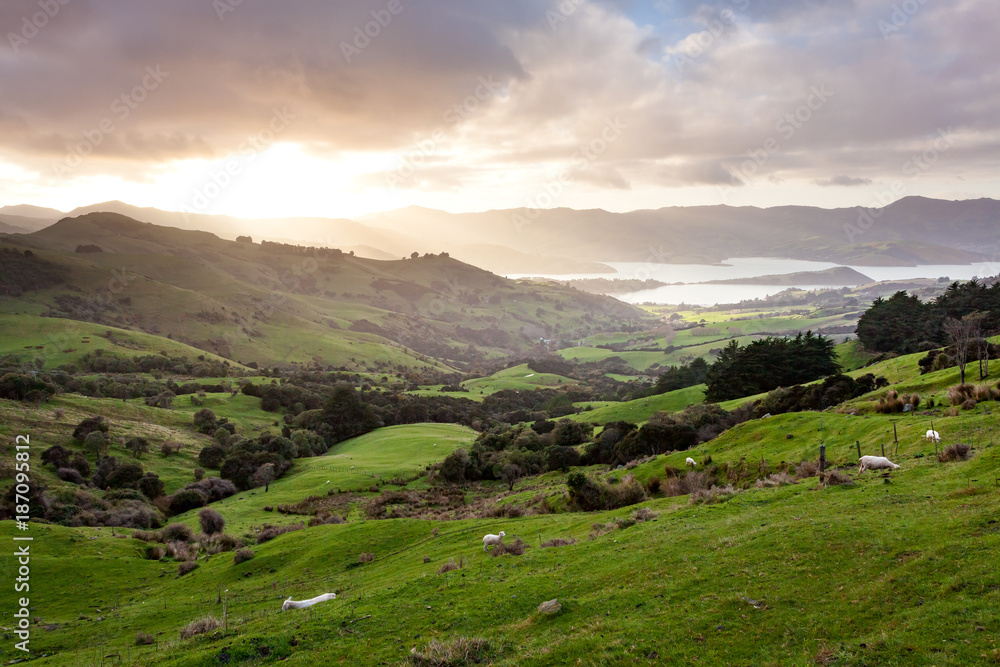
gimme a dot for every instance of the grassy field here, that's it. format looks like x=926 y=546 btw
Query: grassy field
x=894 y=571
x=372 y=459
x=640 y=410
x=517 y=377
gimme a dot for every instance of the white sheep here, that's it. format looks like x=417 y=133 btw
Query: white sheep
x=933 y=436
x=302 y=604
x=493 y=539
x=875 y=463
x=690 y=461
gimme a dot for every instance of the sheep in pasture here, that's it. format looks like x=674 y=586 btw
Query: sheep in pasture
x=875 y=463
x=492 y=539
x=933 y=436
x=302 y=604
x=690 y=461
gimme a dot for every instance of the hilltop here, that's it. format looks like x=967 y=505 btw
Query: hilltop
x=838 y=275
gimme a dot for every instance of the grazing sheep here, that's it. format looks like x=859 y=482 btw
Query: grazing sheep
x=933 y=436
x=690 y=461
x=493 y=539
x=292 y=604
x=875 y=463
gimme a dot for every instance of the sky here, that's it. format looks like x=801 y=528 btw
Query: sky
x=257 y=108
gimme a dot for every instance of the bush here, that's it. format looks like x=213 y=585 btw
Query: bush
x=186 y=500
x=171 y=447
x=558 y=542
x=144 y=639
x=89 y=425
x=155 y=552
x=211 y=521
x=126 y=475
x=199 y=474
x=242 y=556
x=70 y=475
x=366 y=557
x=775 y=479
x=689 y=483
x=205 y=421
x=186 y=567
x=449 y=566
x=834 y=478
x=151 y=486
x=957 y=452
x=269 y=532
x=202 y=626
x=590 y=495
x=176 y=532
x=807 y=469
x=79 y=463
x=717 y=494
x=57 y=456
x=515 y=548
x=970 y=404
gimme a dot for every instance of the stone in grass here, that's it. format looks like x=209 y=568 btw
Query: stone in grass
x=549 y=607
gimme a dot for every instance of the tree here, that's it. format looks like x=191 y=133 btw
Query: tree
x=264 y=476
x=138 y=446
x=205 y=421
x=95 y=442
x=151 y=486
x=212 y=457
x=962 y=335
x=510 y=474
x=84 y=428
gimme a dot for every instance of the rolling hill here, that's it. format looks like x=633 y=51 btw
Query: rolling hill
x=278 y=304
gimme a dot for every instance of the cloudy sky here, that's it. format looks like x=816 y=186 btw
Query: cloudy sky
x=310 y=107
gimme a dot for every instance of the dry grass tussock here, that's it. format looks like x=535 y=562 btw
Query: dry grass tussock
x=515 y=548
x=558 y=542
x=451 y=565
x=957 y=452
x=775 y=479
x=717 y=494
x=834 y=478
x=453 y=653
x=202 y=626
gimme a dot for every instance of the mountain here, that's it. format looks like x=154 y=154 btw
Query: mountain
x=29 y=211
x=278 y=304
x=912 y=231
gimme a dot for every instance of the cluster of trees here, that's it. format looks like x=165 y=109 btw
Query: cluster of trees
x=24 y=272
x=769 y=363
x=677 y=377
x=904 y=324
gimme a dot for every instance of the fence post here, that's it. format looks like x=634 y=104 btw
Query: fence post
x=857 y=443
x=822 y=458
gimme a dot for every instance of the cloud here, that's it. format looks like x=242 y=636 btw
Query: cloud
x=506 y=97
x=842 y=181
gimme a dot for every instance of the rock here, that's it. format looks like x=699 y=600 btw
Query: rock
x=549 y=607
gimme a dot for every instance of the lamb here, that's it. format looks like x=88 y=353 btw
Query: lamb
x=875 y=463
x=933 y=436
x=493 y=539
x=690 y=462
x=302 y=604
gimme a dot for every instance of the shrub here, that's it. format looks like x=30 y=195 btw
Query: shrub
x=653 y=485
x=691 y=482
x=515 y=548
x=155 y=552
x=775 y=479
x=957 y=452
x=145 y=536
x=458 y=651
x=985 y=392
x=807 y=469
x=186 y=500
x=717 y=494
x=644 y=514
x=88 y=425
x=960 y=393
x=213 y=488
x=176 y=532
x=187 y=567
x=242 y=556
x=558 y=542
x=199 y=474
x=205 y=421
x=151 y=486
x=269 y=532
x=589 y=494
x=450 y=565
x=171 y=447
x=834 y=478
x=211 y=521
x=325 y=520
x=71 y=475
x=57 y=456
x=366 y=557
x=79 y=463
x=144 y=639
x=427 y=559
x=969 y=404
x=202 y=626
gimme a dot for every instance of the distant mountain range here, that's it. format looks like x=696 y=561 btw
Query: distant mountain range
x=911 y=231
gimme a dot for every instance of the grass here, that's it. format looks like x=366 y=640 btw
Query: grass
x=517 y=377
x=396 y=451
x=640 y=410
x=869 y=574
